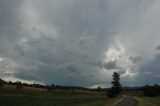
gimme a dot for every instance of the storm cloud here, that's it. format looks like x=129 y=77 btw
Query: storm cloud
x=79 y=43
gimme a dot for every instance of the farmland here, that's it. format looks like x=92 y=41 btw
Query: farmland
x=36 y=96
x=28 y=96
x=149 y=101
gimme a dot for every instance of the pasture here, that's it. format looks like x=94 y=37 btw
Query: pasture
x=150 y=101
x=28 y=96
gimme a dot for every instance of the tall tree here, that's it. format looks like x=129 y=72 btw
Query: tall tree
x=1 y=83
x=18 y=85
x=116 y=86
x=116 y=81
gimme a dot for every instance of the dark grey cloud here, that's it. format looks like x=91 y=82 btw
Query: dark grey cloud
x=158 y=47
x=9 y=25
x=136 y=59
x=147 y=72
x=111 y=65
x=66 y=42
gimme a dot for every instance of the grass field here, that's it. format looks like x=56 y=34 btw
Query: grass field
x=41 y=97
x=148 y=101
x=143 y=100
x=153 y=100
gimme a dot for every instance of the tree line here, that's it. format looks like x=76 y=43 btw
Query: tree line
x=20 y=85
x=115 y=90
x=151 y=90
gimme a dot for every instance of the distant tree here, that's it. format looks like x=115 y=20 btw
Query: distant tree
x=10 y=82
x=99 y=88
x=149 y=90
x=116 y=86
x=48 y=87
x=1 y=83
x=116 y=81
x=51 y=87
x=18 y=85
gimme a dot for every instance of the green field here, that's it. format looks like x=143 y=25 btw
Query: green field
x=153 y=101
x=29 y=96
x=41 y=97
x=148 y=101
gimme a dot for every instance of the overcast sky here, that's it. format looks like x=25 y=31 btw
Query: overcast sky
x=80 y=42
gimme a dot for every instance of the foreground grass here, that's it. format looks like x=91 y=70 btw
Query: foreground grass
x=44 y=98
x=155 y=101
x=149 y=101
x=143 y=102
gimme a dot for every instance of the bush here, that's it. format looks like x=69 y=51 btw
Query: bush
x=151 y=90
x=18 y=85
x=113 y=92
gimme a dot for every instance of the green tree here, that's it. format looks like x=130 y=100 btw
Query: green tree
x=18 y=85
x=1 y=83
x=116 y=81
x=116 y=86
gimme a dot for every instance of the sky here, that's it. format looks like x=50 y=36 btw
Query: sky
x=80 y=42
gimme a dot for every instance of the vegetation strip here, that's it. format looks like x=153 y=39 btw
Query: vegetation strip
x=143 y=102
x=118 y=101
